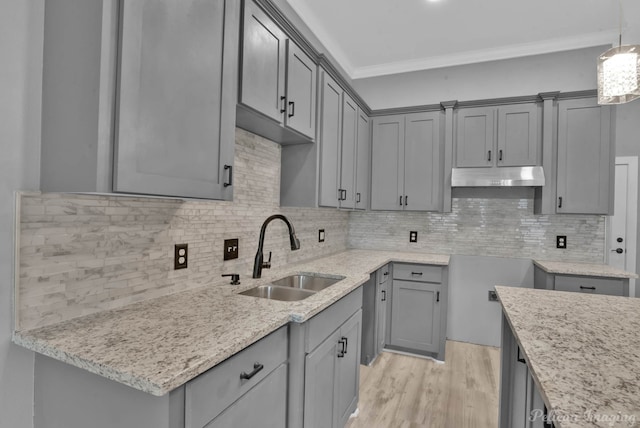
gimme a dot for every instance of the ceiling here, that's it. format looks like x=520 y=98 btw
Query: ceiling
x=378 y=37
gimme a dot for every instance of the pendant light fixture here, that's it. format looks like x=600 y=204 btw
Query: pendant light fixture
x=619 y=73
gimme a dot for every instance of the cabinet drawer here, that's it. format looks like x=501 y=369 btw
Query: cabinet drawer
x=422 y=273
x=383 y=274
x=586 y=284
x=322 y=325
x=213 y=391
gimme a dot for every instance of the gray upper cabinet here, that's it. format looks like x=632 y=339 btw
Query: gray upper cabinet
x=174 y=133
x=344 y=148
x=406 y=171
x=263 y=64
x=585 y=158
x=346 y=191
x=278 y=82
x=363 y=161
x=498 y=136
x=330 y=137
x=167 y=127
x=475 y=137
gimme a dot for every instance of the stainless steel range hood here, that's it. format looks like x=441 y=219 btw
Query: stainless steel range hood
x=497 y=177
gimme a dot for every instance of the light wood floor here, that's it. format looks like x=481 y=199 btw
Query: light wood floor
x=399 y=391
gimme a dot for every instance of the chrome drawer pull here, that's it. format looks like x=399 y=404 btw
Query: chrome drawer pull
x=416 y=273
x=256 y=368
x=582 y=287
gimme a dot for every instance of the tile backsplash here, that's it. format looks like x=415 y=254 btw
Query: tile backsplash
x=501 y=227
x=81 y=254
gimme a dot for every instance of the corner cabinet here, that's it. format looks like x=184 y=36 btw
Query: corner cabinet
x=277 y=97
x=586 y=156
x=498 y=136
x=174 y=132
x=406 y=171
x=418 y=309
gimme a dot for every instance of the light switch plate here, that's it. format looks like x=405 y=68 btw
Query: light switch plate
x=230 y=249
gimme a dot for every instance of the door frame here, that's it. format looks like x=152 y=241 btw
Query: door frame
x=632 y=218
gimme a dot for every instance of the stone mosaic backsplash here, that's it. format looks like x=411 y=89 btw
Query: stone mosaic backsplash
x=501 y=227
x=81 y=254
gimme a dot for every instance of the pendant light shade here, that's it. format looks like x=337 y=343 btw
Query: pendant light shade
x=619 y=75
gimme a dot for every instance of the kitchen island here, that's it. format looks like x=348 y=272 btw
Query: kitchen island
x=582 y=352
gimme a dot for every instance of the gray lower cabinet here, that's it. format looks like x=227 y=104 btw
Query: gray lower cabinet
x=382 y=291
x=170 y=130
x=521 y=405
x=406 y=172
x=324 y=361
x=580 y=283
x=278 y=82
x=248 y=389
x=332 y=376
x=586 y=156
x=418 y=309
x=498 y=136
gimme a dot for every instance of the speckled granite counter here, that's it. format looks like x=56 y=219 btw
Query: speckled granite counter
x=158 y=345
x=585 y=269
x=583 y=351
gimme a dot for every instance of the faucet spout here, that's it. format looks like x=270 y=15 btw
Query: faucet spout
x=259 y=264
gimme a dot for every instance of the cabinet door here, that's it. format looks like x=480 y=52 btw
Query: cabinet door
x=330 y=136
x=585 y=161
x=415 y=315
x=175 y=120
x=301 y=91
x=319 y=383
x=264 y=406
x=263 y=63
x=348 y=153
x=518 y=135
x=348 y=370
x=363 y=161
x=381 y=315
x=475 y=136
x=387 y=154
x=422 y=162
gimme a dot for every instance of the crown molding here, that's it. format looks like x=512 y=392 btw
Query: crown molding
x=602 y=38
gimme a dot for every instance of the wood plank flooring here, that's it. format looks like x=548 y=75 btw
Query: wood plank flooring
x=399 y=391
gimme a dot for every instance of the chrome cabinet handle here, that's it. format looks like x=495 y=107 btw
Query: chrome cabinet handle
x=406 y=200
x=256 y=368
x=358 y=198
x=582 y=287
x=293 y=108
x=416 y=273
x=500 y=155
x=384 y=295
x=560 y=202
x=489 y=156
x=342 y=352
x=230 y=182
x=400 y=200
x=437 y=296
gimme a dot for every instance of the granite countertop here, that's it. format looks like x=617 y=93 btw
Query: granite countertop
x=585 y=269
x=583 y=351
x=158 y=345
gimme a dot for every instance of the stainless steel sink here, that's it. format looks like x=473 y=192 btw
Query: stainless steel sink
x=278 y=293
x=306 y=281
x=294 y=287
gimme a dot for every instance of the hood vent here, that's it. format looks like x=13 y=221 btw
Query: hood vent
x=497 y=177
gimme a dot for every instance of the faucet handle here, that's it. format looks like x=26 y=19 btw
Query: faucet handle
x=267 y=264
x=235 y=278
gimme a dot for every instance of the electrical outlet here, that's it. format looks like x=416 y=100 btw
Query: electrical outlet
x=180 y=256
x=561 y=241
x=493 y=296
x=413 y=236
x=321 y=235
x=230 y=249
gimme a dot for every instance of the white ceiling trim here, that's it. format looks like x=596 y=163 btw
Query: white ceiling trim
x=493 y=54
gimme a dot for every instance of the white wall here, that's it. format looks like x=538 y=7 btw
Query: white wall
x=21 y=24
